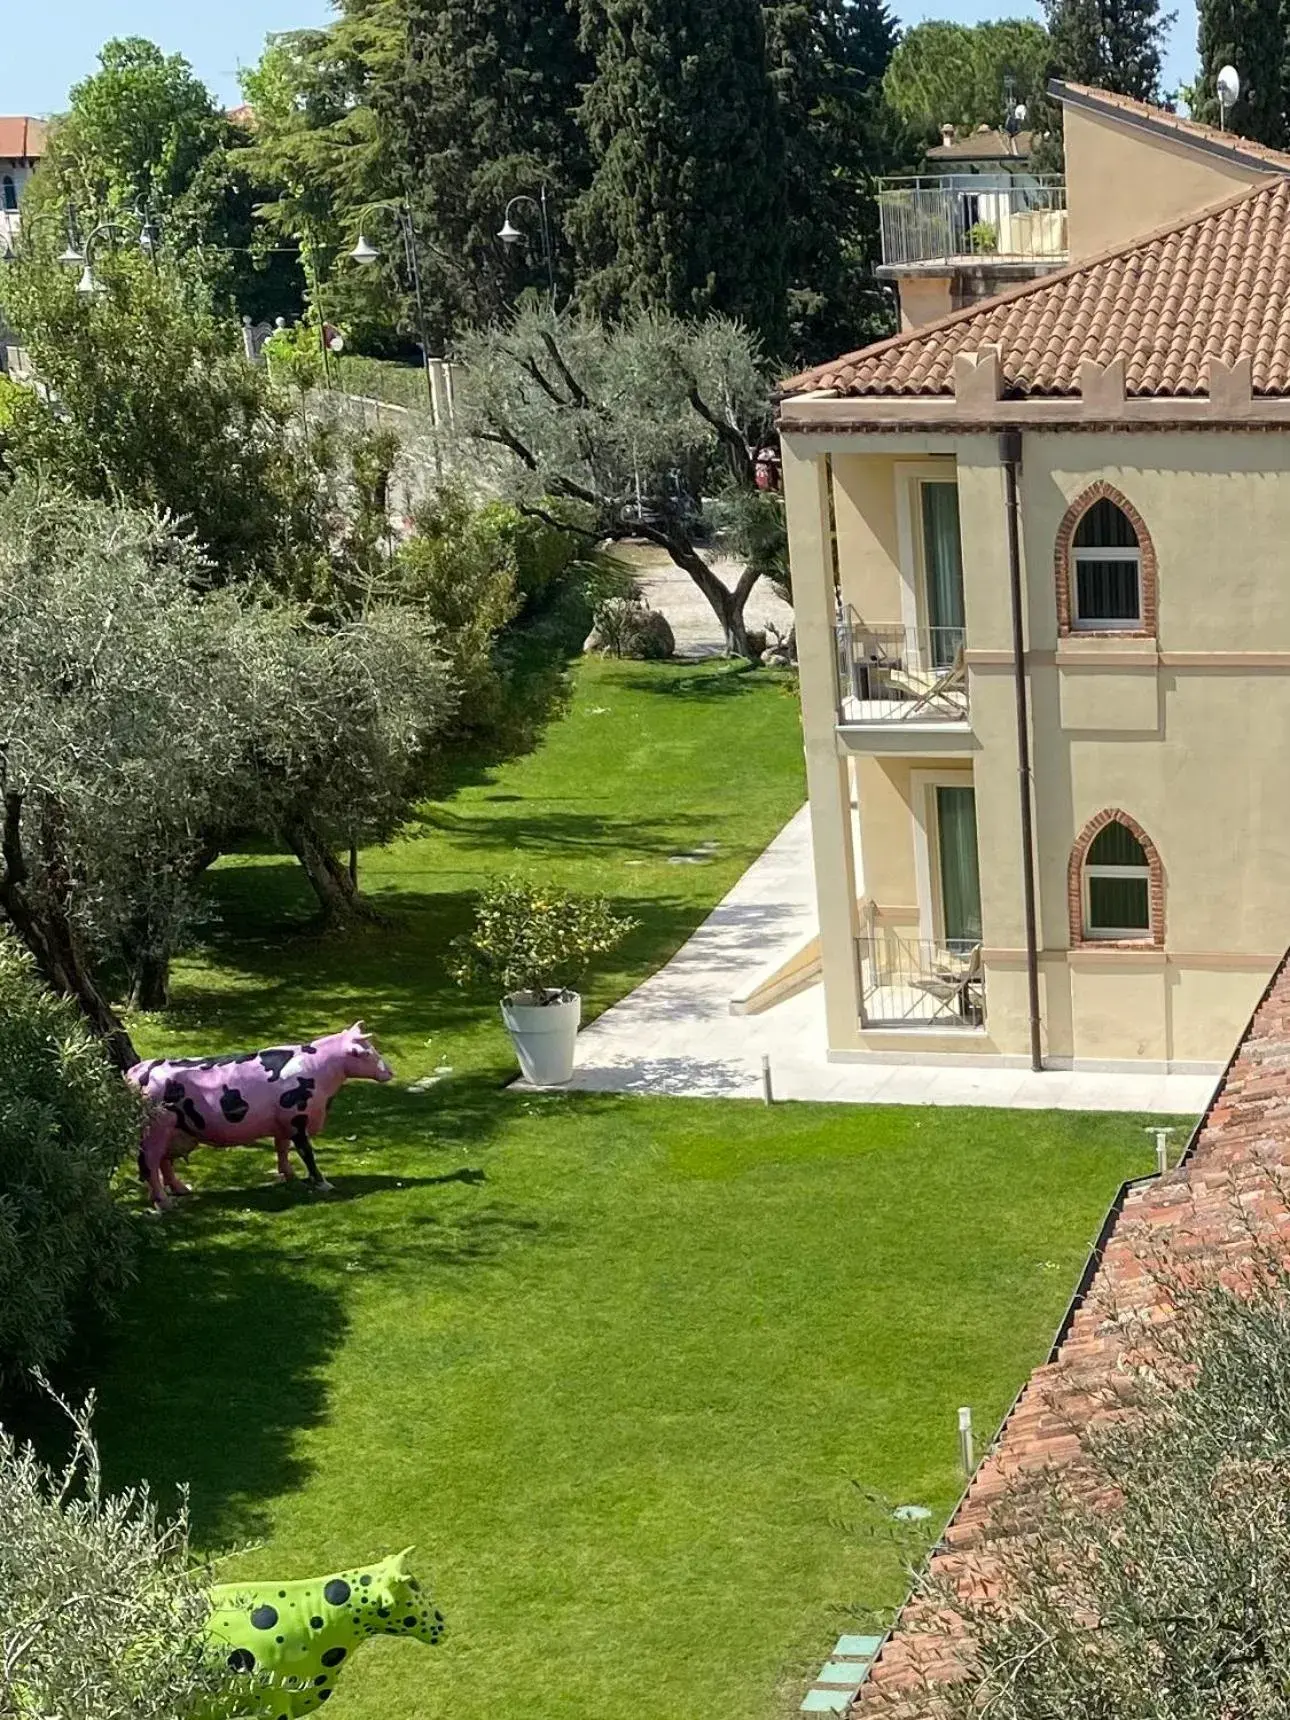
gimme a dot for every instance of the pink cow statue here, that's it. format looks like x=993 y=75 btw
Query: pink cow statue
x=283 y=1093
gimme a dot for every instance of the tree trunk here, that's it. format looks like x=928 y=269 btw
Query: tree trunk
x=149 y=946
x=151 y=990
x=336 y=891
x=728 y=606
x=49 y=938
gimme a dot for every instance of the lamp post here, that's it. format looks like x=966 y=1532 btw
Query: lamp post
x=365 y=253
x=510 y=234
x=80 y=255
x=72 y=255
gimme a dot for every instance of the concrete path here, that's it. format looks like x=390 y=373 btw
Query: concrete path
x=696 y=629
x=675 y=1033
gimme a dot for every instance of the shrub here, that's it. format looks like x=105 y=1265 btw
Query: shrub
x=528 y=938
x=982 y=238
x=66 y=1121
x=101 y=1615
x=626 y=627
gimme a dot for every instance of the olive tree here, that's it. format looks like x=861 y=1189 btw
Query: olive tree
x=1150 y=1577
x=102 y=1612
x=636 y=422
x=145 y=724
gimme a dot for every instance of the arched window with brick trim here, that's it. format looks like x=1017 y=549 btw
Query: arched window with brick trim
x=1105 y=566
x=1116 y=883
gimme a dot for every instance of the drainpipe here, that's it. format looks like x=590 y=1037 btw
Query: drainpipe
x=1010 y=455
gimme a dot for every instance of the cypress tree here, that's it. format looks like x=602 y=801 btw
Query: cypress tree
x=1113 y=44
x=1250 y=35
x=480 y=109
x=685 y=211
x=827 y=59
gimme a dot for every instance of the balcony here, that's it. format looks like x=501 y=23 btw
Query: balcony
x=914 y=983
x=894 y=675
x=973 y=220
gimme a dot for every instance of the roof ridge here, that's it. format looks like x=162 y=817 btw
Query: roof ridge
x=811 y=378
x=1228 y=143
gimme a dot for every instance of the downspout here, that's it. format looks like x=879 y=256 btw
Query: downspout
x=1010 y=456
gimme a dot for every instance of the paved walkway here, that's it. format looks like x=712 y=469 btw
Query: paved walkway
x=696 y=629
x=675 y=1033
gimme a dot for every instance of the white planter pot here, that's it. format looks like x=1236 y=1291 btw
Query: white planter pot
x=543 y=1035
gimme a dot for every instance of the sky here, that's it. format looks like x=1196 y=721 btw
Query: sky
x=50 y=44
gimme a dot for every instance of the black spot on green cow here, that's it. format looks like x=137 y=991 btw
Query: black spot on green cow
x=409 y=1621
x=333 y=1657
x=241 y=1660
x=382 y=1612
x=264 y=1617
x=321 y=1678
x=337 y=1592
x=315 y=1623
x=282 y=1594
x=323 y=1695
x=365 y=1580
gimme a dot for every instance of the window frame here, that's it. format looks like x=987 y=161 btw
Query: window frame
x=1082 y=931
x=1114 y=934
x=1065 y=569
x=1105 y=624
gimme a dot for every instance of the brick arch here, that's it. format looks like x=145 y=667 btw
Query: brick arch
x=1075 y=883
x=1147 y=567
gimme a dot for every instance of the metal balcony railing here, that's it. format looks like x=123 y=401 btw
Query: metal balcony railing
x=972 y=217
x=910 y=982
x=896 y=674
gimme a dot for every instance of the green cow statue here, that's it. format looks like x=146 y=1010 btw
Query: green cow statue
x=292 y=1640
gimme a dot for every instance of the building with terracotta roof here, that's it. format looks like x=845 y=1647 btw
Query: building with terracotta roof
x=22 y=143
x=1037 y=552
x=979 y=220
x=1225 y=1201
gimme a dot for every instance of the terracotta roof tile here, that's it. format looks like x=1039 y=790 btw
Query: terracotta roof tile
x=1216 y=285
x=1217 y=1208
x=21 y=137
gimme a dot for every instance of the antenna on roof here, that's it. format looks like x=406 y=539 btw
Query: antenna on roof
x=1229 y=90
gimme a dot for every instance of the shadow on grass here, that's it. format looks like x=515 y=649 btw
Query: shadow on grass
x=564 y=833
x=730 y=682
x=217 y=1363
x=394 y=976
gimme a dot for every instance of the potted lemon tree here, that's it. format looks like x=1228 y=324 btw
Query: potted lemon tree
x=536 y=943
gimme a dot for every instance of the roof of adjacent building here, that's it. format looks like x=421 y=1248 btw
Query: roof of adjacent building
x=1224 y=1203
x=984 y=144
x=1143 y=116
x=1212 y=286
x=21 y=137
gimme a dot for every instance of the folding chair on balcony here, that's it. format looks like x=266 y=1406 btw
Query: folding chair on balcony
x=955 y=983
x=935 y=689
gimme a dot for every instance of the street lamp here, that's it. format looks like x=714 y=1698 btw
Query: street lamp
x=512 y=235
x=365 y=253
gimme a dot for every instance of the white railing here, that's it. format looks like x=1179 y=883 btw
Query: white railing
x=897 y=674
x=911 y=982
x=929 y=220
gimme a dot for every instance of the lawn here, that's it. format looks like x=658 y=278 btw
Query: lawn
x=621 y=1368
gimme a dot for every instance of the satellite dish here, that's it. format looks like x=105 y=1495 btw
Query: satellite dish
x=1229 y=87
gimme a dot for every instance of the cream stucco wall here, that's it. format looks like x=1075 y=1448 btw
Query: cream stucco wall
x=924 y=298
x=1190 y=739
x=1123 y=181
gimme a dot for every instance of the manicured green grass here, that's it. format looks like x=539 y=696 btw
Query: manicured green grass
x=621 y=1368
